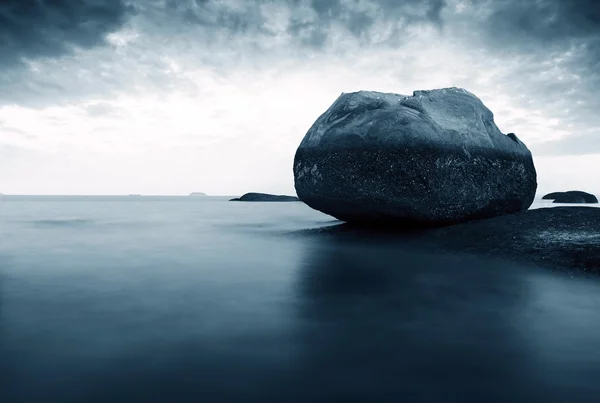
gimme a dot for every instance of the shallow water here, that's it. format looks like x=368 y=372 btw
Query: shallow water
x=121 y=299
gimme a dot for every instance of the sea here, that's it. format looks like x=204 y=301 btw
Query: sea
x=196 y=299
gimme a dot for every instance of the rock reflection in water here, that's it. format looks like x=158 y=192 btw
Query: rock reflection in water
x=383 y=323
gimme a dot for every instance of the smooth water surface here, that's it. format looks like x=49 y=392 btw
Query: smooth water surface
x=117 y=299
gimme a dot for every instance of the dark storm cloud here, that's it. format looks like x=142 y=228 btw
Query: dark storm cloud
x=311 y=20
x=359 y=18
x=547 y=25
x=545 y=20
x=34 y=28
x=215 y=33
x=562 y=39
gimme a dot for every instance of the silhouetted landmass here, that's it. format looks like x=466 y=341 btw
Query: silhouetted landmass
x=198 y=194
x=265 y=197
x=571 y=196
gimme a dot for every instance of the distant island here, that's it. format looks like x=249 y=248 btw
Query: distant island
x=571 y=196
x=265 y=197
x=197 y=194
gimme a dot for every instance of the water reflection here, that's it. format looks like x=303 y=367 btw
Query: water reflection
x=383 y=323
x=340 y=315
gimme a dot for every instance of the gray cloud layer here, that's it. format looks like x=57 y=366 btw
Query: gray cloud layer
x=311 y=21
x=544 y=20
x=215 y=85
x=551 y=47
x=546 y=25
x=49 y=28
x=42 y=32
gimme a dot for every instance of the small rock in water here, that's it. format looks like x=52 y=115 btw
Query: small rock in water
x=434 y=158
x=265 y=197
x=571 y=196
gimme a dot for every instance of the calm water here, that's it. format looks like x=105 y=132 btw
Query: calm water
x=200 y=300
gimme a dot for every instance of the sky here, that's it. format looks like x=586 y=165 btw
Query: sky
x=178 y=96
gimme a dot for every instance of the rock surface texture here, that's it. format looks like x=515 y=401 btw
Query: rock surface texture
x=434 y=158
x=265 y=197
x=558 y=237
x=567 y=237
x=571 y=196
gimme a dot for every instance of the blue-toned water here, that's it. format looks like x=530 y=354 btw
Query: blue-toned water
x=140 y=299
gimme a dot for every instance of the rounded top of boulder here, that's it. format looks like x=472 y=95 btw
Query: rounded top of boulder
x=451 y=116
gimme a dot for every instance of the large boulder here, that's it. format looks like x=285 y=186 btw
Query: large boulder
x=433 y=158
x=571 y=196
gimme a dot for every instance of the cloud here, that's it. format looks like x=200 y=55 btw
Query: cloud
x=374 y=21
x=49 y=28
x=543 y=20
x=97 y=109
x=572 y=145
x=311 y=23
x=227 y=88
x=162 y=40
x=543 y=26
x=549 y=54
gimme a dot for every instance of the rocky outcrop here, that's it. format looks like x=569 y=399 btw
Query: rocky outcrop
x=265 y=197
x=559 y=237
x=571 y=196
x=551 y=196
x=433 y=158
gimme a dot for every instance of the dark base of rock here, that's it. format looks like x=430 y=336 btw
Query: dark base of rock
x=386 y=185
x=265 y=197
x=560 y=237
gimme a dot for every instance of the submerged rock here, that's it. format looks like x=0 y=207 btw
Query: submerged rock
x=558 y=237
x=571 y=196
x=433 y=158
x=567 y=237
x=265 y=197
